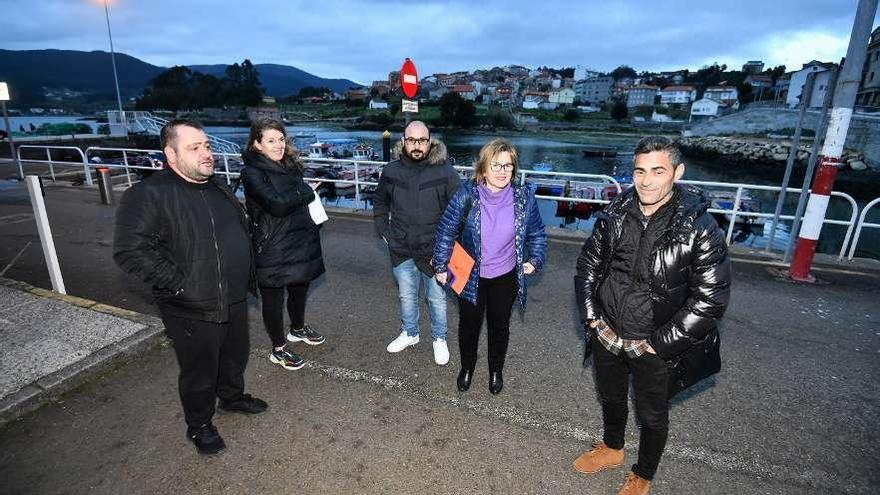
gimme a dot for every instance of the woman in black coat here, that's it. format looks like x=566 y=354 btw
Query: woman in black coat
x=286 y=241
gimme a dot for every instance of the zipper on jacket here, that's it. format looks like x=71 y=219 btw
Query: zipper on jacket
x=217 y=251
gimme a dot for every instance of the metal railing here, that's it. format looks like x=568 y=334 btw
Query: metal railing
x=51 y=163
x=862 y=223
x=597 y=183
x=737 y=202
x=138 y=121
x=92 y=152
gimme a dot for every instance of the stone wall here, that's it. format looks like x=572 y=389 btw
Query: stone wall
x=863 y=136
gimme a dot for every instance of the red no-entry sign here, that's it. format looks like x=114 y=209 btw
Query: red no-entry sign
x=409 y=79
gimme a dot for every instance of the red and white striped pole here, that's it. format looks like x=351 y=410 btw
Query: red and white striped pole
x=832 y=150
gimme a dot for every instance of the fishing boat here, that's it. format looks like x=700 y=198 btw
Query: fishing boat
x=302 y=141
x=319 y=150
x=364 y=152
x=599 y=151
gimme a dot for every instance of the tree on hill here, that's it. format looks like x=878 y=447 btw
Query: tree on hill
x=563 y=72
x=311 y=91
x=179 y=88
x=709 y=75
x=775 y=73
x=619 y=111
x=242 y=84
x=622 y=72
x=455 y=110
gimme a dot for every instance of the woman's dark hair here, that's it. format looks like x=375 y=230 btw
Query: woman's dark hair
x=291 y=159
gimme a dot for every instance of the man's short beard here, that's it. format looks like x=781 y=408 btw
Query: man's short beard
x=409 y=155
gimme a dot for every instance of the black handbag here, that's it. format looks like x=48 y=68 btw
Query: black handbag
x=699 y=362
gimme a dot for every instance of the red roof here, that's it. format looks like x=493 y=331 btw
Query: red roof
x=678 y=88
x=463 y=88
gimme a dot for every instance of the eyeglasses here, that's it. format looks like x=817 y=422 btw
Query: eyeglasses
x=498 y=167
x=419 y=141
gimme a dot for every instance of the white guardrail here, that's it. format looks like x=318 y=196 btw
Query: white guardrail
x=862 y=223
x=136 y=159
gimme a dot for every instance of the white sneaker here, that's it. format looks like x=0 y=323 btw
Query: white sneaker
x=402 y=342
x=441 y=352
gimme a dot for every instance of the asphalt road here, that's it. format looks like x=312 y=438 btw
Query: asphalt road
x=793 y=410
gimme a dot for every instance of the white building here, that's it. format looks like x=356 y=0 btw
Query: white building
x=820 y=84
x=378 y=105
x=677 y=95
x=724 y=94
x=562 y=96
x=707 y=107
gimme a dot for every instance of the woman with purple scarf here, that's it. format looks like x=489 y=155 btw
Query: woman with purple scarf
x=496 y=220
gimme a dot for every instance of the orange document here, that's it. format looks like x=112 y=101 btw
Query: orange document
x=460 y=266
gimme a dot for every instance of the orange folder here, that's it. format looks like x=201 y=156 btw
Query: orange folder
x=460 y=266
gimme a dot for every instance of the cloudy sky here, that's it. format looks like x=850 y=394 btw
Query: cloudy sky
x=363 y=40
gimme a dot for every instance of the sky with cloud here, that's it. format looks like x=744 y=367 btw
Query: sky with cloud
x=363 y=41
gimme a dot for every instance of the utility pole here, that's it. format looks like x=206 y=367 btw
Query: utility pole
x=832 y=150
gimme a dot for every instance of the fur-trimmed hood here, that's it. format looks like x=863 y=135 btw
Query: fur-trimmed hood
x=436 y=156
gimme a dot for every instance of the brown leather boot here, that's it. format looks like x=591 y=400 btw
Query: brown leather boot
x=598 y=458
x=635 y=485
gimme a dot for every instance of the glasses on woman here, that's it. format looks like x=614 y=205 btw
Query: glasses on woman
x=498 y=167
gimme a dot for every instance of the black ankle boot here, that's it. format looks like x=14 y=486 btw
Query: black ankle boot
x=464 y=379
x=496 y=382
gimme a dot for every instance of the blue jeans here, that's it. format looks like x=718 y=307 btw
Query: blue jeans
x=408 y=277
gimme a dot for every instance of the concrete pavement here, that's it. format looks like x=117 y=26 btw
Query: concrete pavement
x=791 y=412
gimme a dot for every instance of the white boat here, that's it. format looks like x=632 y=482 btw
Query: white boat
x=363 y=152
x=319 y=150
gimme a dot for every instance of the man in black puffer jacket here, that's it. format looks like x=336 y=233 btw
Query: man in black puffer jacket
x=412 y=195
x=183 y=232
x=652 y=282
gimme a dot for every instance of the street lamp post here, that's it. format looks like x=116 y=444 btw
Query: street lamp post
x=4 y=97
x=113 y=60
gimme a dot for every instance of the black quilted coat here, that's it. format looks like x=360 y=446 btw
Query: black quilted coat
x=287 y=243
x=690 y=287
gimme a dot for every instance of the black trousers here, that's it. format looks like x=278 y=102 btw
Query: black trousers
x=212 y=359
x=273 y=307
x=649 y=377
x=495 y=297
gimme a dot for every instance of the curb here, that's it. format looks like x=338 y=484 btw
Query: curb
x=51 y=387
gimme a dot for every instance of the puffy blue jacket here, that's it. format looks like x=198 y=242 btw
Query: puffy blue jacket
x=531 y=241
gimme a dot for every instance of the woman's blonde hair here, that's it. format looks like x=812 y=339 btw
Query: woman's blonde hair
x=489 y=151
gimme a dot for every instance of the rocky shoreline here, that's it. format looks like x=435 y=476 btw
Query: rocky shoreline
x=744 y=150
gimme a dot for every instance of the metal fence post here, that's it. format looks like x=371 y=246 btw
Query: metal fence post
x=357 y=185
x=33 y=185
x=736 y=201
x=127 y=171
x=86 y=170
x=51 y=168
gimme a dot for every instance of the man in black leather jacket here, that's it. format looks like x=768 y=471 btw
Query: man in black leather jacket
x=411 y=197
x=183 y=232
x=652 y=281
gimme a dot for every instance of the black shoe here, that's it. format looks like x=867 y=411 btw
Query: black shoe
x=246 y=404
x=496 y=382
x=464 y=379
x=206 y=439
x=305 y=334
x=288 y=360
